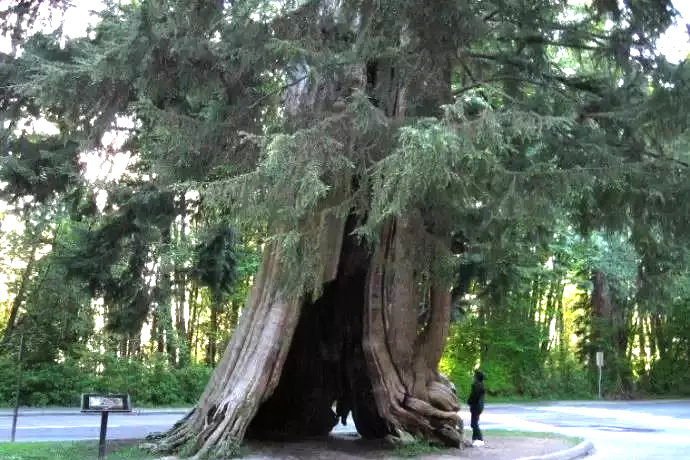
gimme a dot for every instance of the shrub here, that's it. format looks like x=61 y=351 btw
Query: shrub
x=149 y=382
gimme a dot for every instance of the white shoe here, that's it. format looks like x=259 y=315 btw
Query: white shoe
x=478 y=443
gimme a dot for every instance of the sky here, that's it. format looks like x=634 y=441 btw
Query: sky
x=675 y=44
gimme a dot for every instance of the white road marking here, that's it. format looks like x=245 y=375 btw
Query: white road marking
x=57 y=427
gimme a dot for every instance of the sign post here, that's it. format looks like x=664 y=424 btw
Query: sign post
x=600 y=364
x=15 y=414
x=94 y=403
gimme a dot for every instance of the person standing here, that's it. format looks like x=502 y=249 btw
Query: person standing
x=476 y=403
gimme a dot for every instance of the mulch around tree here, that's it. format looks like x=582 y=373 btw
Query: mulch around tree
x=351 y=447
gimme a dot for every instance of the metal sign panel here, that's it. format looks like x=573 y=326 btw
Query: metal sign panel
x=95 y=402
x=600 y=358
x=104 y=404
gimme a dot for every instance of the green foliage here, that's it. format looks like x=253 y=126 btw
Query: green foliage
x=415 y=449
x=548 y=140
x=38 y=167
x=669 y=376
x=153 y=381
x=512 y=361
x=150 y=382
x=216 y=264
x=461 y=355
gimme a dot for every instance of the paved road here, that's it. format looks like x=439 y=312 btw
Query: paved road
x=69 y=425
x=620 y=430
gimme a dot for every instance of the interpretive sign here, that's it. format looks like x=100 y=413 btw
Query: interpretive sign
x=94 y=402
x=104 y=403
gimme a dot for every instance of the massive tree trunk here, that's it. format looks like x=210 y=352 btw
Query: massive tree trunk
x=403 y=355
x=359 y=346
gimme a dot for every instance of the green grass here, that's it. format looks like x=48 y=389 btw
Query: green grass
x=70 y=451
x=500 y=433
x=416 y=449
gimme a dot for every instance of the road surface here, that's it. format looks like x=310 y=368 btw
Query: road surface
x=620 y=430
x=71 y=425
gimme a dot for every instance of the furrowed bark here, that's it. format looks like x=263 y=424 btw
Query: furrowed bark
x=403 y=362
x=359 y=345
x=247 y=373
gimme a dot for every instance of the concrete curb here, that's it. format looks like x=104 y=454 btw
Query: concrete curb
x=581 y=450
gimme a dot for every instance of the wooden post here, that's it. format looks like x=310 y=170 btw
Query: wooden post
x=101 y=439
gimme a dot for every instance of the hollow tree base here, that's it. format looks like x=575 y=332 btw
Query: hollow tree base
x=326 y=364
x=294 y=369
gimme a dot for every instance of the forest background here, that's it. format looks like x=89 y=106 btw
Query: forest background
x=113 y=280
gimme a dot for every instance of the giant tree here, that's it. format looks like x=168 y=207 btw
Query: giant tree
x=375 y=140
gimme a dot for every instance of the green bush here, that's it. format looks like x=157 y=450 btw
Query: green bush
x=513 y=361
x=150 y=382
x=669 y=377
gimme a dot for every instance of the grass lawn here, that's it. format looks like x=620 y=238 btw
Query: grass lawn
x=117 y=450
x=500 y=433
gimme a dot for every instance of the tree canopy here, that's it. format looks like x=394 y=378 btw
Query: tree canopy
x=522 y=148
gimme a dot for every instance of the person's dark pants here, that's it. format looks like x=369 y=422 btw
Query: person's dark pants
x=474 y=423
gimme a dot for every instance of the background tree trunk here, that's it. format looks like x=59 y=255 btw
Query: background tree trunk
x=181 y=286
x=21 y=294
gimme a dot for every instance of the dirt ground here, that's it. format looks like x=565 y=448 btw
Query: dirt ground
x=350 y=447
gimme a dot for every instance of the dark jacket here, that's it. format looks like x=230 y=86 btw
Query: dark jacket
x=476 y=398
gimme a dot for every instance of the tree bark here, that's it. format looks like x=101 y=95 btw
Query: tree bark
x=213 y=336
x=248 y=372
x=358 y=346
x=21 y=294
x=402 y=361
x=193 y=327
x=181 y=286
x=610 y=333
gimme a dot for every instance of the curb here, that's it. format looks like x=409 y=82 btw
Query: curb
x=581 y=450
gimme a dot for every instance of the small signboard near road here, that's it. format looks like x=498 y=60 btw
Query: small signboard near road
x=104 y=404
x=94 y=402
